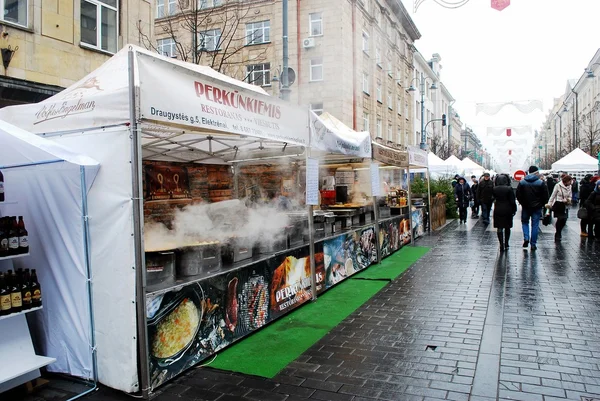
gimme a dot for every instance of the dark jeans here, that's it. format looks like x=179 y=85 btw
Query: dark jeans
x=485 y=211
x=586 y=226
x=475 y=209
x=462 y=211
x=535 y=215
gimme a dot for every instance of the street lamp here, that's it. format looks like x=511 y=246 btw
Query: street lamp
x=422 y=82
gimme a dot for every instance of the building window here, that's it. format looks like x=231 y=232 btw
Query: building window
x=315 y=24
x=258 y=32
x=405 y=108
x=399 y=106
x=389 y=101
x=366 y=122
x=417 y=108
x=167 y=47
x=14 y=11
x=160 y=8
x=365 y=83
x=316 y=69
x=390 y=135
x=379 y=94
x=202 y=4
x=399 y=135
x=99 y=24
x=317 y=108
x=259 y=74
x=365 y=42
x=378 y=56
x=379 y=128
x=389 y=67
x=209 y=41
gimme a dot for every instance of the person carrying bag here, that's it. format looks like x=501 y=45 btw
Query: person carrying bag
x=559 y=202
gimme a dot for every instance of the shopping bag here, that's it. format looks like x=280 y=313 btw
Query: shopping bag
x=547 y=219
x=582 y=213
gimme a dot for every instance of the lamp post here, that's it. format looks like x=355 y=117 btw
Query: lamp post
x=422 y=80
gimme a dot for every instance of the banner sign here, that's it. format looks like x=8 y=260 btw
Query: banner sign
x=177 y=96
x=312 y=181
x=375 y=181
x=328 y=134
x=393 y=157
x=417 y=157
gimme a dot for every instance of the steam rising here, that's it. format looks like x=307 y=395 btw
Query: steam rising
x=220 y=221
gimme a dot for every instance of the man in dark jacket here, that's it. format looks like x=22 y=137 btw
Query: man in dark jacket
x=485 y=195
x=532 y=194
x=585 y=189
x=475 y=208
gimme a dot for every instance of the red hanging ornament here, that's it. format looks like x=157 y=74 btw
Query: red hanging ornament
x=509 y=151
x=508 y=132
x=500 y=4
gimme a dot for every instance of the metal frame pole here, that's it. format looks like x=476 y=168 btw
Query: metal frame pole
x=428 y=201
x=138 y=230
x=423 y=139
x=285 y=83
x=410 y=219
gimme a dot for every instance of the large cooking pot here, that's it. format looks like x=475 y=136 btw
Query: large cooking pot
x=198 y=259
x=160 y=268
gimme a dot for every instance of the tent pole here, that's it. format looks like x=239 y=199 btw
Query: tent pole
x=138 y=210
x=88 y=272
x=410 y=219
x=428 y=201
x=311 y=240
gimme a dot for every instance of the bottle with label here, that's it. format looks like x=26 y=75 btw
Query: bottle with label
x=26 y=290
x=23 y=237
x=1 y=187
x=5 y=302
x=13 y=237
x=36 y=290
x=16 y=299
x=4 y=252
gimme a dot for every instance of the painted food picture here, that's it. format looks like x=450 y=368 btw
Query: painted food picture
x=176 y=330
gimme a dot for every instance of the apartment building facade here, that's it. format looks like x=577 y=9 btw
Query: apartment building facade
x=47 y=45
x=351 y=58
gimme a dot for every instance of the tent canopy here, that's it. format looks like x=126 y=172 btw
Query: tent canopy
x=455 y=165
x=44 y=184
x=575 y=161
x=331 y=135
x=188 y=113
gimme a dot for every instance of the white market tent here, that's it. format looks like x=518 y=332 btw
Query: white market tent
x=455 y=165
x=143 y=105
x=47 y=184
x=576 y=161
x=471 y=168
x=438 y=167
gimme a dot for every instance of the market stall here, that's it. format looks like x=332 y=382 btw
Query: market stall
x=49 y=310
x=167 y=134
x=577 y=162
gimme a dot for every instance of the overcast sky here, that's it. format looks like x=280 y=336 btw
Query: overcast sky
x=527 y=51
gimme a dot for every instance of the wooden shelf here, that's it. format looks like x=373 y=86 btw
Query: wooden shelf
x=14 y=256
x=21 y=313
x=21 y=364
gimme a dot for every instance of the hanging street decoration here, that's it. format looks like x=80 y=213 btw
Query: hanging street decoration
x=500 y=4
x=516 y=130
x=508 y=132
x=525 y=106
x=444 y=3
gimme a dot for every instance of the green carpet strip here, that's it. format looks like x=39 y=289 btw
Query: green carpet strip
x=269 y=350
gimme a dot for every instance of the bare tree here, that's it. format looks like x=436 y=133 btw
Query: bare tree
x=590 y=130
x=212 y=33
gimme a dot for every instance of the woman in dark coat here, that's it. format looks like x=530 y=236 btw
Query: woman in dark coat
x=504 y=209
x=593 y=207
x=462 y=194
x=585 y=189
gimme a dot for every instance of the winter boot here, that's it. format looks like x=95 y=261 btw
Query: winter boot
x=501 y=240
x=506 y=237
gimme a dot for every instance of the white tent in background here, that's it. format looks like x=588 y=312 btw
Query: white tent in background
x=438 y=167
x=454 y=165
x=471 y=168
x=576 y=161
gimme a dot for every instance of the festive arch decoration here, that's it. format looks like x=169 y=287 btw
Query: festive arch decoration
x=509 y=131
x=496 y=4
x=525 y=106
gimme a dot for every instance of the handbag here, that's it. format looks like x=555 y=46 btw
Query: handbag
x=472 y=203
x=547 y=219
x=582 y=213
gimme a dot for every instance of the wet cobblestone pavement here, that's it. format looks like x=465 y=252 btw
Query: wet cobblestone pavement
x=466 y=322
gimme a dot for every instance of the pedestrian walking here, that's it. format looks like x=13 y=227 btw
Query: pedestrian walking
x=505 y=207
x=475 y=200
x=593 y=206
x=462 y=194
x=455 y=181
x=586 y=187
x=559 y=202
x=532 y=195
x=575 y=191
x=485 y=194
